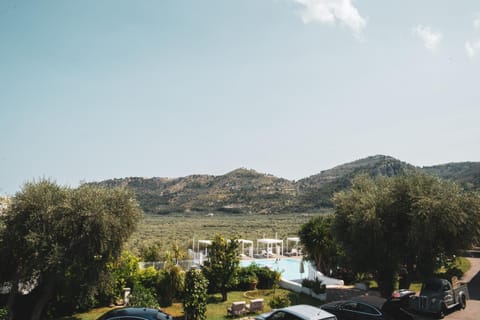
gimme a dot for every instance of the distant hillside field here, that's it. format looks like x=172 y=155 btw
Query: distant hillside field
x=244 y=191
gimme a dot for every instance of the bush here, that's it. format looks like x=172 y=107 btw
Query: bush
x=148 y=277
x=266 y=277
x=142 y=297
x=316 y=285
x=245 y=277
x=3 y=313
x=451 y=272
x=279 y=301
x=170 y=284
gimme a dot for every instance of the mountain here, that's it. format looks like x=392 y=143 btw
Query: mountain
x=247 y=191
x=467 y=174
x=238 y=191
x=327 y=182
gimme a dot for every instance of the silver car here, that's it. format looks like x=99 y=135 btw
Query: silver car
x=298 y=312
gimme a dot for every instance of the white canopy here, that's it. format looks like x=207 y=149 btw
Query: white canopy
x=296 y=240
x=249 y=243
x=205 y=244
x=270 y=244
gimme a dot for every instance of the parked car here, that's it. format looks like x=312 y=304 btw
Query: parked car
x=298 y=312
x=370 y=308
x=438 y=296
x=135 y=314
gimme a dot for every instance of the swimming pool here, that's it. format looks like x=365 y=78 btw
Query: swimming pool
x=289 y=268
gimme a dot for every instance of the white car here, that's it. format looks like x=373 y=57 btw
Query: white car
x=298 y=312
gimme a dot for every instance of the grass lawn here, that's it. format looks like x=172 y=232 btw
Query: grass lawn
x=90 y=315
x=216 y=309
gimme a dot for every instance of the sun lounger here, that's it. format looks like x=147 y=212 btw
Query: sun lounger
x=268 y=254
x=237 y=308
x=255 y=305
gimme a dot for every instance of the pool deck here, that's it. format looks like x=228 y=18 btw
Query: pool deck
x=274 y=257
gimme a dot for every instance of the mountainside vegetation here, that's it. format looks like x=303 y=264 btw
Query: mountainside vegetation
x=247 y=191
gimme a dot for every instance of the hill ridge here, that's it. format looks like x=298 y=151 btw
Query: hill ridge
x=243 y=190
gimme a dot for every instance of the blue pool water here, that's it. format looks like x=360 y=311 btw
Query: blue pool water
x=289 y=268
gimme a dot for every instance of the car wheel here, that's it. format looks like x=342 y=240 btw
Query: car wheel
x=442 y=312
x=463 y=302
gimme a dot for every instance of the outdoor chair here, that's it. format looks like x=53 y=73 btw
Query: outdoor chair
x=237 y=308
x=267 y=254
x=255 y=305
x=292 y=252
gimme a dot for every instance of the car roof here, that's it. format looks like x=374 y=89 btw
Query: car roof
x=309 y=312
x=145 y=312
x=372 y=300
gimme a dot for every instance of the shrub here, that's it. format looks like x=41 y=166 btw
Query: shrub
x=279 y=301
x=142 y=297
x=316 y=285
x=195 y=297
x=148 y=277
x=245 y=277
x=171 y=284
x=3 y=313
x=266 y=277
x=451 y=272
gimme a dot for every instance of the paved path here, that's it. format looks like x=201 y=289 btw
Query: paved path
x=472 y=311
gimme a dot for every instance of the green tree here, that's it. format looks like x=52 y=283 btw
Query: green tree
x=195 y=297
x=124 y=272
x=151 y=252
x=222 y=265
x=318 y=242
x=385 y=223
x=62 y=239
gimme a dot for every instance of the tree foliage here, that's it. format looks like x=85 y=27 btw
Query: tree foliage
x=151 y=252
x=142 y=297
x=171 y=283
x=221 y=267
x=319 y=244
x=410 y=220
x=195 y=297
x=62 y=239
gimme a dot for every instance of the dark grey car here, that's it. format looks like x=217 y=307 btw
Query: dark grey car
x=135 y=314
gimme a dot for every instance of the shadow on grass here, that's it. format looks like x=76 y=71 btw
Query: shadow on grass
x=214 y=299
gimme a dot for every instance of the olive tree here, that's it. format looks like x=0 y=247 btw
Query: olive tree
x=61 y=239
x=384 y=223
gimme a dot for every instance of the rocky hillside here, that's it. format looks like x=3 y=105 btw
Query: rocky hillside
x=247 y=191
x=467 y=174
x=238 y=191
x=317 y=190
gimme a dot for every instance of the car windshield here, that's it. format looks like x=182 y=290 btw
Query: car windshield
x=432 y=286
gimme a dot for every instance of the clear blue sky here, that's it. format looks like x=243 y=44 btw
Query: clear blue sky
x=91 y=90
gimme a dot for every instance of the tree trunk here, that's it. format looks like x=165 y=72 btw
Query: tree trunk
x=224 y=294
x=386 y=280
x=319 y=263
x=44 y=298
x=11 y=299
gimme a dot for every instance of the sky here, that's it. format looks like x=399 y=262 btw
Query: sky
x=93 y=90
